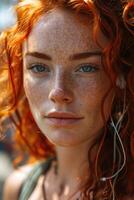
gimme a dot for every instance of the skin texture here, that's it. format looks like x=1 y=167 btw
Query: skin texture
x=66 y=87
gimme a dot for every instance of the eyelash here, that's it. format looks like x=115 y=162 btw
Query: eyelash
x=34 y=66
x=92 y=68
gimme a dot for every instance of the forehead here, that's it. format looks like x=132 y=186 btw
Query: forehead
x=63 y=30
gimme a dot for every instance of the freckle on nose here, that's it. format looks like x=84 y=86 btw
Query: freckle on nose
x=59 y=94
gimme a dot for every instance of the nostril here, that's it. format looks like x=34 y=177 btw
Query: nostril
x=66 y=100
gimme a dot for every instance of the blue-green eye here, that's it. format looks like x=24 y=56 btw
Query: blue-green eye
x=87 y=68
x=38 y=68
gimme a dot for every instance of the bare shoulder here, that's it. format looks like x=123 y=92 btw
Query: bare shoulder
x=14 y=182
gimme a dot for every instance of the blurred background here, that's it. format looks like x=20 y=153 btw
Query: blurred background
x=7 y=15
x=7 y=19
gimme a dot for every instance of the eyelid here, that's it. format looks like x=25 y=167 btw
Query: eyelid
x=96 y=66
x=37 y=63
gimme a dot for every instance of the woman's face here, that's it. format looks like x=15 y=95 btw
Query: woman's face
x=60 y=76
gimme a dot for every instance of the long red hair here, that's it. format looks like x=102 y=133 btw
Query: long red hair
x=115 y=18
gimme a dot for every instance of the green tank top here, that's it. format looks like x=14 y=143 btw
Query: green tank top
x=30 y=182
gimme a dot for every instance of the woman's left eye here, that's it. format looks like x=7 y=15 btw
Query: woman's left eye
x=87 y=68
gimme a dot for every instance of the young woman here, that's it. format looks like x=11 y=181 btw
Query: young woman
x=69 y=68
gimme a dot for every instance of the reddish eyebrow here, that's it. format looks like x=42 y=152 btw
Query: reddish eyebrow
x=85 y=55
x=38 y=55
x=72 y=57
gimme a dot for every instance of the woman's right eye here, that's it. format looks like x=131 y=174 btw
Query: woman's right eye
x=39 y=68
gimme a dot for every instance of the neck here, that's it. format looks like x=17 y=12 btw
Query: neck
x=72 y=163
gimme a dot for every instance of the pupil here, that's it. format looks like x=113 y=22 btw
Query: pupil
x=40 y=68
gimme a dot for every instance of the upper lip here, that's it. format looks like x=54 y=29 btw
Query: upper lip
x=63 y=115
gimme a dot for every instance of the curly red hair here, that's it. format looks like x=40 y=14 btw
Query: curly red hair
x=115 y=18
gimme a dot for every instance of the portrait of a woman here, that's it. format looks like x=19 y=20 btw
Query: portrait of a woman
x=69 y=91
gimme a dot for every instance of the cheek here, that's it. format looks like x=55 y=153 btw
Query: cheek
x=35 y=93
x=92 y=93
x=93 y=89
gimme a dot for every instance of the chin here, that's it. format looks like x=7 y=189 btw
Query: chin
x=64 y=139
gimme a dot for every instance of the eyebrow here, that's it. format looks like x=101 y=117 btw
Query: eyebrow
x=76 y=56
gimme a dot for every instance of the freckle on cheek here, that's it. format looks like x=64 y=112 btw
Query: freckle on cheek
x=32 y=94
x=36 y=97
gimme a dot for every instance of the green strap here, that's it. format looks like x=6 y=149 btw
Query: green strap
x=31 y=181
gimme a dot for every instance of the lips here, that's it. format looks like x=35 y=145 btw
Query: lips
x=62 y=118
x=63 y=115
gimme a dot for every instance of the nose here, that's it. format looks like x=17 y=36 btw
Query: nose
x=59 y=95
x=61 y=86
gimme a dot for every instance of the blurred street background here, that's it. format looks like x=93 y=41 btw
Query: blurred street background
x=7 y=19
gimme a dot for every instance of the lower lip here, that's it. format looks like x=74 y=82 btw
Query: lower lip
x=62 y=122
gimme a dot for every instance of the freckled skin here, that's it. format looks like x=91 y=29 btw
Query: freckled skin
x=61 y=34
